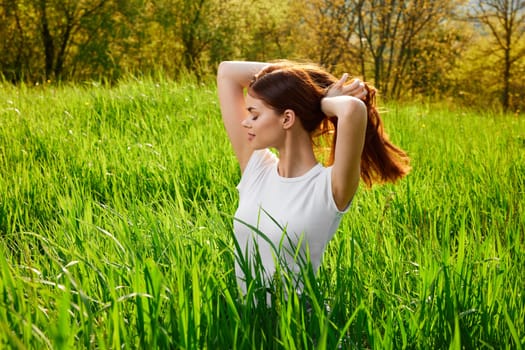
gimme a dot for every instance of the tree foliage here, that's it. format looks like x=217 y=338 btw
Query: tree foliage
x=331 y=25
x=504 y=23
x=407 y=48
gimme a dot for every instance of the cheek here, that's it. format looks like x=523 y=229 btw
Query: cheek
x=271 y=127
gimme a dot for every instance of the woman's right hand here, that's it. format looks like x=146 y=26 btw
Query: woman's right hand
x=356 y=88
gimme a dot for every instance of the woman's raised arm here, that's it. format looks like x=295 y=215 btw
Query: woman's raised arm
x=351 y=129
x=351 y=114
x=232 y=78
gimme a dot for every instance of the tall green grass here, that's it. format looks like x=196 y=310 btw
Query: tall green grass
x=116 y=216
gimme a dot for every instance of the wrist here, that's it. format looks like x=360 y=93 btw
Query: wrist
x=329 y=105
x=340 y=106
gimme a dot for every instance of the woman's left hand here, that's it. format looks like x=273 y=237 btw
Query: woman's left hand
x=356 y=88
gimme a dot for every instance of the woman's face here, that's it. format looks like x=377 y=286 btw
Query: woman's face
x=263 y=125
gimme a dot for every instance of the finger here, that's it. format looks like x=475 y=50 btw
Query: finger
x=357 y=89
x=352 y=89
x=343 y=79
x=362 y=94
x=362 y=88
x=355 y=85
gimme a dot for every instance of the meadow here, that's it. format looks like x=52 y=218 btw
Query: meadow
x=116 y=211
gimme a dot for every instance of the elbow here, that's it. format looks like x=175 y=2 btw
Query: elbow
x=356 y=110
x=223 y=69
x=220 y=70
x=357 y=106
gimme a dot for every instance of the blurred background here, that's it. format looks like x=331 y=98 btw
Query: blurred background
x=461 y=52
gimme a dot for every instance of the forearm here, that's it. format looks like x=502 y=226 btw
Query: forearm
x=352 y=118
x=342 y=106
x=239 y=72
x=232 y=78
x=351 y=114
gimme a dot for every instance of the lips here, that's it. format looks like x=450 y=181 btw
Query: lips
x=250 y=136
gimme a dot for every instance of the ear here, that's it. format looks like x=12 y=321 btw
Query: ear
x=288 y=118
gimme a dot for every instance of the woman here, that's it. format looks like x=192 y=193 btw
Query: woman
x=289 y=204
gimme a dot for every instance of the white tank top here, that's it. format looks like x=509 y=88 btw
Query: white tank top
x=295 y=214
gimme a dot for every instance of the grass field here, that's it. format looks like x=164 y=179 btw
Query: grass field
x=116 y=215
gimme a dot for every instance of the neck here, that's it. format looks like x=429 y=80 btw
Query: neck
x=296 y=156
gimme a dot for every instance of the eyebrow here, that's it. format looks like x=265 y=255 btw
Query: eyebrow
x=251 y=108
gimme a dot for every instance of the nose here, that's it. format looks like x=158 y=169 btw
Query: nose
x=246 y=123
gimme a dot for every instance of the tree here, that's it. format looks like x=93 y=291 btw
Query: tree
x=330 y=25
x=40 y=39
x=505 y=20
x=267 y=30
x=391 y=33
x=201 y=32
x=18 y=46
x=60 y=20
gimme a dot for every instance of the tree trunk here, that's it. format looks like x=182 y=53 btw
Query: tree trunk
x=47 y=39
x=506 y=69
x=59 y=66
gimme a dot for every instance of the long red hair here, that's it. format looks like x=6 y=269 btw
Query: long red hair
x=300 y=87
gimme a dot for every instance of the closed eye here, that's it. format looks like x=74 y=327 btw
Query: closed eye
x=251 y=110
